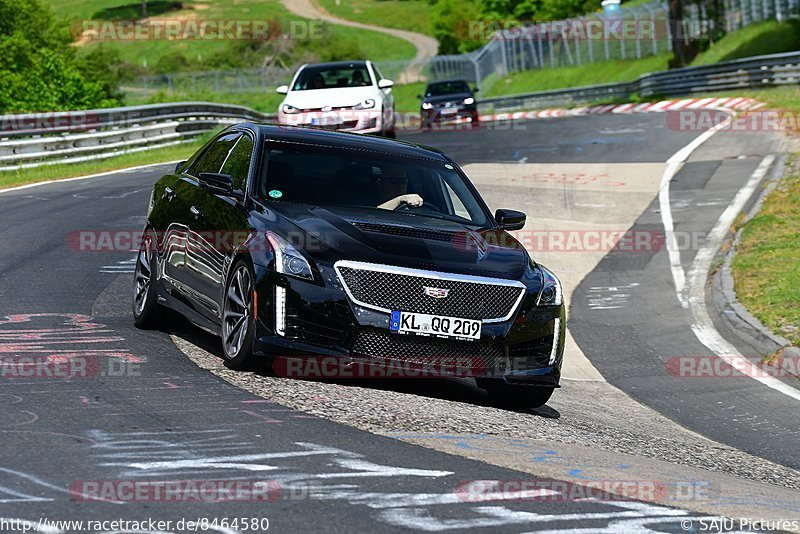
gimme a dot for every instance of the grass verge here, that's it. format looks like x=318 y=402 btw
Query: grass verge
x=766 y=267
x=71 y=170
x=561 y=77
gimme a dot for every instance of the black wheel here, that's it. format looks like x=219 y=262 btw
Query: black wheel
x=146 y=310
x=238 y=322
x=509 y=396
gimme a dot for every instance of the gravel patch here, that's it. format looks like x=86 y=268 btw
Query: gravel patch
x=593 y=414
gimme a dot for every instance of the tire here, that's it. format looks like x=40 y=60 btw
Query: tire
x=238 y=321
x=516 y=397
x=388 y=133
x=147 y=312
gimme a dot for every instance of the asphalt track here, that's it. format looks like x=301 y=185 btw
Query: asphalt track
x=146 y=413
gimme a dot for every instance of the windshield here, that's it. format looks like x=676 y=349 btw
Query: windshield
x=446 y=88
x=352 y=75
x=368 y=180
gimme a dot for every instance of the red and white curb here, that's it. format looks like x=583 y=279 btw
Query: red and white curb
x=733 y=104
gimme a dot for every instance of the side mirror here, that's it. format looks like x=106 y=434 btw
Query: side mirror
x=282 y=90
x=419 y=96
x=475 y=89
x=385 y=84
x=219 y=184
x=179 y=165
x=510 y=219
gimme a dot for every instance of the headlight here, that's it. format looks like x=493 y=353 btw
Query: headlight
x=290 y=109
x=469 y=100
x=366 y=104
x=427 y=105
x=551 y=293
x=288 y=259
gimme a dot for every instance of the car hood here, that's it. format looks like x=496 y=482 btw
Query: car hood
x=385 y=237
x=454 y=97
x=339 y=97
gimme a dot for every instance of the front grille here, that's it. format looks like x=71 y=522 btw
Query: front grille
x=405 y=291
x=421 y=350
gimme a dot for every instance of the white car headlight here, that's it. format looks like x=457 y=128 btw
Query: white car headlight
x=551 y=293
x=469 y=100
x=290 y=109
x=366 y=104
x=288 y=259
x=427 y=105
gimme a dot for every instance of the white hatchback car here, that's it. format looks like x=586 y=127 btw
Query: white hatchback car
x=344 y=95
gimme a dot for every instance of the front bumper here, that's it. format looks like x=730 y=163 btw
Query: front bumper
x=361 y=121
x=439 y=114
x=321 y=321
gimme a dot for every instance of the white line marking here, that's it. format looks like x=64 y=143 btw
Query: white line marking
x=673 y=166
x=692 y=295
x=88 y=176
x=695 y=295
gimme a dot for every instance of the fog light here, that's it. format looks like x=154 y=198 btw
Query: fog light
x=280 y=310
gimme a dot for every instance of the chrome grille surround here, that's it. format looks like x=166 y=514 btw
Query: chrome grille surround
x=386 y=288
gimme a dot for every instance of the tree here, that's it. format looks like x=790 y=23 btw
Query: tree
x=678 y=44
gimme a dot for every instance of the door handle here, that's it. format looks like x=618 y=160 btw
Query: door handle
x=169 y=194
x=196 y=212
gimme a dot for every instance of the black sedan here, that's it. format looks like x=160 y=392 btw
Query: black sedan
x=448 y=100
x=301 y=243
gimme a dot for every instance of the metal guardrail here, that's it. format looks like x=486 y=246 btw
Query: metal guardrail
x=37 y=139
x=750 y=73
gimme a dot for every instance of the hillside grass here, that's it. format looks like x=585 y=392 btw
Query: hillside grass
x=146 y=53
x=411 y=15
x=770 y=37
x=563 y=77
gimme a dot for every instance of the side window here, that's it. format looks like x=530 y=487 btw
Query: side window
x=216 y=155
x=237 y=164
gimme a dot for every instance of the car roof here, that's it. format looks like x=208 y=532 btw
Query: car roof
x=319 y=136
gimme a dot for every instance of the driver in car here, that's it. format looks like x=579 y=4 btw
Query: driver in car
x=393 y=187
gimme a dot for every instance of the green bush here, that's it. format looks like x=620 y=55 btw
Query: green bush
x=39 y=70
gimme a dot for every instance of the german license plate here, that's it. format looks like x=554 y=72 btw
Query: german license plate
x=449 y=111
x=434 y=325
